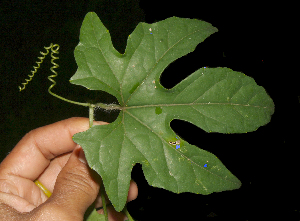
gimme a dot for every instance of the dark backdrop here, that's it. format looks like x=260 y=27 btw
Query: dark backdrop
x=247 y=41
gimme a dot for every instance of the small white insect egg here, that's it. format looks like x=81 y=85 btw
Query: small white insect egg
x=150 y=29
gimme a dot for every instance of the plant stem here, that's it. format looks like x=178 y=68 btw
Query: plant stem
x=67 y=100
x=101 y=105
x=91 y=119
x=109 y=106
x=91 y=114
x=103 y=201
x=127 y=214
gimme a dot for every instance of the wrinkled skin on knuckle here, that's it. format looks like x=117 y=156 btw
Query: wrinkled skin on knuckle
x=49 y=212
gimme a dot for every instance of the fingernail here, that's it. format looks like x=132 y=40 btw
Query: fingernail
x=99 y=123
x=81 y=156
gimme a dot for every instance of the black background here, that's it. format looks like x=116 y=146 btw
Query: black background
x=247 y=41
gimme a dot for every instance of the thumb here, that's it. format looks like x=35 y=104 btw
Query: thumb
x=76 y=187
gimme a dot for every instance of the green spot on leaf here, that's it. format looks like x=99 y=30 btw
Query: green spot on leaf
x=158 y=110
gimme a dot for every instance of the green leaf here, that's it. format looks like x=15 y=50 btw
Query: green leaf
x=92 y=215
x=214 y=99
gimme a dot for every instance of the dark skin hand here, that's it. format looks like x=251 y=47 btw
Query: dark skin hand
x=50 y=155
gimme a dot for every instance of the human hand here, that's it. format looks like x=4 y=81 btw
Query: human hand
x=50 y=155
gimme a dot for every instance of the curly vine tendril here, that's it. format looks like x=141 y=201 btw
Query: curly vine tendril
x=35 y=68
x=54 y=50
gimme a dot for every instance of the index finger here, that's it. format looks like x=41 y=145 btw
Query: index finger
x=33 y=153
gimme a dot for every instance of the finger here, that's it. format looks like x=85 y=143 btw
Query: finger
x=76 y=187
x=133 y=191
x=48 y=177
x=33 y=153
x=18 y=203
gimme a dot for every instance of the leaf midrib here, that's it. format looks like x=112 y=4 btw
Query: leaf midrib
x=190 y=104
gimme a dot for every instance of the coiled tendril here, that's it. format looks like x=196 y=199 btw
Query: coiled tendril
x=40 y=62
x=54 y=50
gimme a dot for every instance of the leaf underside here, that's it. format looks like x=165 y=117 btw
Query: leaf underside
x=214 y=99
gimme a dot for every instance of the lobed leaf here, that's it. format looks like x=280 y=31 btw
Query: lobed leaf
x=214 y=99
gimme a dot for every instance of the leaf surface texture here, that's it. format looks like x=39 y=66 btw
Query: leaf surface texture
x=214 y=99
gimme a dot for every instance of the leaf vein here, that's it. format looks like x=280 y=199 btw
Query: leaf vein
x=168 y=145
x=150 y=71
x=106 y=60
